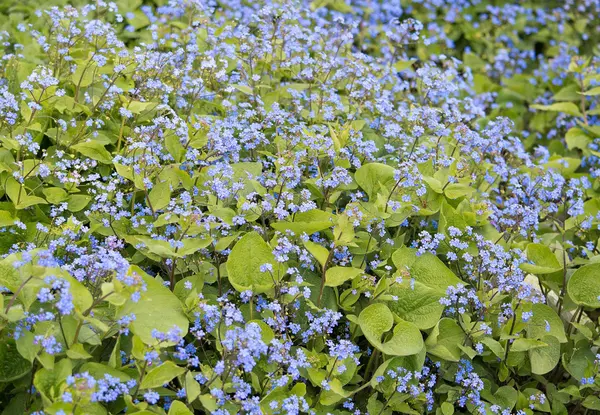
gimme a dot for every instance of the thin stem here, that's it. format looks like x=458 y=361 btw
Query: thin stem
x=16 y=293
x=324 y=277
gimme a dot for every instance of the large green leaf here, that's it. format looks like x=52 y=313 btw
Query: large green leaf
x=48 y=382
x=12 y=364
x=94 y=150
x=584 y=286
x=543 y=316
x=544 y=359
x=445 y=340
x=245 y=260
x=377 y=320
x=306 y=222
x=421 y=305
x=566 y=107
x=319 y=252
x=160 y=195
x=375 y=178
x=158 y=308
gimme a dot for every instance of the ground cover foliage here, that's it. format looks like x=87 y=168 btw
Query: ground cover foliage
x=281 y=207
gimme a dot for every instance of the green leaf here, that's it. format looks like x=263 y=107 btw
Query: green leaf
x=377 y=320
x=12 y=365
x=47 y=382
x=55 y=195
x=566 y=107
x=193 y=245
x=93 y=150
x=536 y=326
x=456 y=190
x=493 y=345
x=577 y=138
x=306 y=222
x=9 y=276
x=164 y=249
x=137 y=107
x=27 y=201
x=445 y=339
x=319 y=252
x=447 y=408
x=6 y=219
x=98 y=370
x=179 y=408
x=591 y=401
x=584 y=286
x=158 y=308
x=174 y=146
x=543 y=260
x=375 y=178
x=84 y=74
x=450 y=217
x=544 y=359
x=160 y=195
x=209 y=402
x=243 y=88
x=77 y=351
x=75 y=203
x=192 y=387
x=523 y=345
x=593 y=92
x=421 y=305
x=336 y=276
x=245 y=259
x=161 y=375
x=506 y=397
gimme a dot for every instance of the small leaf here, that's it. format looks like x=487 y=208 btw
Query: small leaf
x=161 y=375
x=93 y=150
x=456 y=190
x=306 y=222
x=543 y=260
x=318 y=251
x=192 y=387
x=160 y=195
x=75 y=203
x=243 y=88
x=77 y=351
x=593 y=92
x=336 y=276
x=55 y=195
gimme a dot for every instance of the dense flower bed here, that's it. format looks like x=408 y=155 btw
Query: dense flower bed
x=292 y=207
